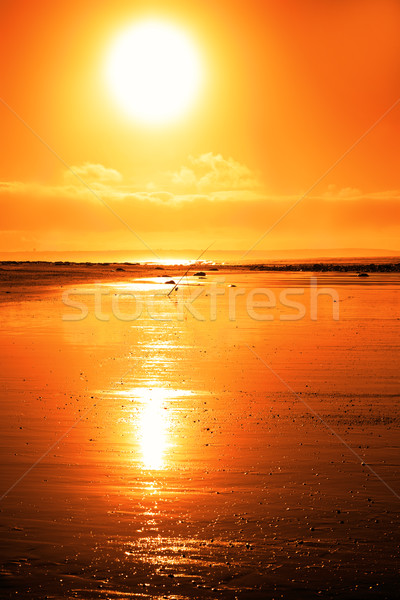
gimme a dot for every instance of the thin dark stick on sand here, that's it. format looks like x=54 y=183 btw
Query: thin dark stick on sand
x=188 y=269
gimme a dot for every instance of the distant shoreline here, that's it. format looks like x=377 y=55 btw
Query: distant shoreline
x=344 y=265
x=214 y=255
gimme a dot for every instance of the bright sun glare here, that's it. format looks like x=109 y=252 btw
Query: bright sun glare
x=154 y=71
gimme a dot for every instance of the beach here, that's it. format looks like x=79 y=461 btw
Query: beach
x=219 y=441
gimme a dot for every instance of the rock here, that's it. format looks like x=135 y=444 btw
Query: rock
x=363 y=275
x=200 y=274
x=171 y=281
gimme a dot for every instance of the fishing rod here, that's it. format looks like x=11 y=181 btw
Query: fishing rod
x=189 y=267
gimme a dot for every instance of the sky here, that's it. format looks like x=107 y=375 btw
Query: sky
x=291 y=139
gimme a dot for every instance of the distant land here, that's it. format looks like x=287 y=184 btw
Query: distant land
x=220 y=256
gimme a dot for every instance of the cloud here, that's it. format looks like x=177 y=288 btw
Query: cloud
x=28 y=206
x=70 y=214
x=212 y=172
x=93 y=173
x=163 y=196
x=209 y=176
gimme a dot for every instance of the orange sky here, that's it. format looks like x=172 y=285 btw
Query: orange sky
x=288 y=88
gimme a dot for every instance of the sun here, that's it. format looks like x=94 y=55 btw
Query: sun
x=154 y=71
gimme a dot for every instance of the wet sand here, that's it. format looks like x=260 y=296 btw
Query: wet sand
x=216 y=458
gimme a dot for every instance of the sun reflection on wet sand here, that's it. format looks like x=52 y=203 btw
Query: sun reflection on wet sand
x=154 y=423
x=153 y=427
